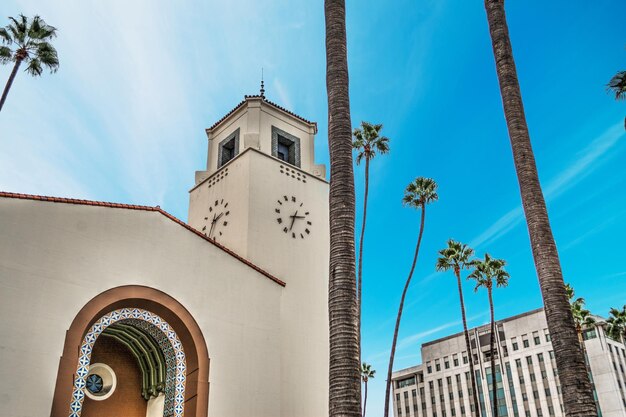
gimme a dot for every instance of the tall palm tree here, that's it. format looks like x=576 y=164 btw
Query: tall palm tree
x=366 y=374
x=344 y=367
x=577 y=393
x=418 y=194
x=616 y=324
x=485 y=272
x=367 y=142
x=457 y=257
x=27 y=42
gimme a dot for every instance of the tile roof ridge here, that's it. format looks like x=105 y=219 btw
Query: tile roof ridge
x=265 y=100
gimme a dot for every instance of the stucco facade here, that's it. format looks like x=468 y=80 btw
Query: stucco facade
x=257 y=294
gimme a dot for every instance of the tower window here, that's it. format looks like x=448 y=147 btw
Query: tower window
x=228 y=148
x=285 y=147
x=283 y=151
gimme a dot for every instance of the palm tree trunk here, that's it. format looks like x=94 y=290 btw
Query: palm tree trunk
x=365 y=400
x=395 y=332
x=344 y=370
x=5 y=93
x=577 y=394
x=468 y=345
x=360 y=272
x=494 y=390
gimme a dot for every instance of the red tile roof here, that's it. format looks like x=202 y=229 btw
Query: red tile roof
x=143 y=208
x=266 y=101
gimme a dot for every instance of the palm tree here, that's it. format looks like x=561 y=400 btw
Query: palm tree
x=485 y=272
x=577 y=393
x=418 y=194
x=31 y=46
x=616 y=324
x=367 y=142
x=366 y=373
x=456 y=257
x=344 y=367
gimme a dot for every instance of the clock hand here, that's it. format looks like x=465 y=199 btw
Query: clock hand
x=218 y=217
x=212 y=226
x=293 y=219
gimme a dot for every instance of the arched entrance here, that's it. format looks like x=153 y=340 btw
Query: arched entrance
x=161 y=335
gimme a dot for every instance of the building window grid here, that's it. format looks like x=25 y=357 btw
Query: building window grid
x=525 y=402
x=509 y=377
x=500 y=392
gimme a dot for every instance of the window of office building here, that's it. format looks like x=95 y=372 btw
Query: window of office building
x=405 y=382
x=536 y=338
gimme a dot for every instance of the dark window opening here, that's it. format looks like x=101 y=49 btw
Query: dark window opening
x=228 y=149
x=283 y=150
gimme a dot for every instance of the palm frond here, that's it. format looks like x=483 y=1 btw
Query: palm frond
x=443 y=263
x=617 y=85
x=48 y=56
x=359 y=157
x=34 y=67
x=6 y=36
x=6 y=55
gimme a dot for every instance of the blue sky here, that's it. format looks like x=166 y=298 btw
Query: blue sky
x=123 y=120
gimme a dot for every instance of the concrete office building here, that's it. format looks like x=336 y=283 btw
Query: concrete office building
x=114 y=309
x=440 y=386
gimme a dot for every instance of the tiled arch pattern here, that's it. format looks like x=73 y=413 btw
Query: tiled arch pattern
x=78 y=394
x=170 y=361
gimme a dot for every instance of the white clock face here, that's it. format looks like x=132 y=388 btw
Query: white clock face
x=293 y=217
x=217 y=220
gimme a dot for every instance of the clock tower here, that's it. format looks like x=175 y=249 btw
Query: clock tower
x=263 y=197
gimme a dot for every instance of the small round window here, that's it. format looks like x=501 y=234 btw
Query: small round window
x=101 y=382
x=94 y=383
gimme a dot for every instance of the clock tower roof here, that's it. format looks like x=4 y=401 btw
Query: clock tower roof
x=254 y=98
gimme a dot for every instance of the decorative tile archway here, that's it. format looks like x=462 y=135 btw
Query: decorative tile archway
x=169 y=343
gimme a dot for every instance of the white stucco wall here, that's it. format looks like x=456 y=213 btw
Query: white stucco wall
x=55 y=257
x=252 y=188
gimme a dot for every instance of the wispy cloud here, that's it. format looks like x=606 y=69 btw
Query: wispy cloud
x=594 y=230
x=589 y=159
x=498 y=229
x=411 y=340
x=283 y=96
